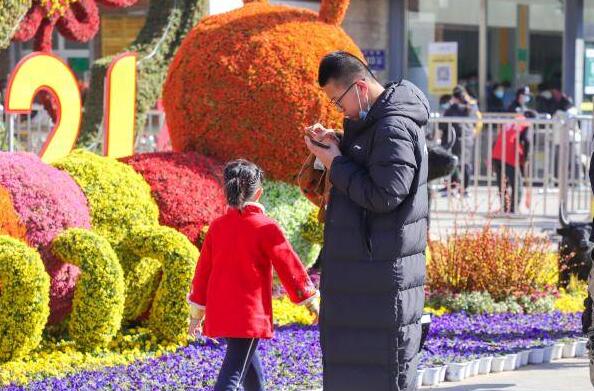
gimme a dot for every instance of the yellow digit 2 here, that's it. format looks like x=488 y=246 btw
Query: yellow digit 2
x=39 y=71
x=120 y=106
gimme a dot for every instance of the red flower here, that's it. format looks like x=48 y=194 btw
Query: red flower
x=186 y=186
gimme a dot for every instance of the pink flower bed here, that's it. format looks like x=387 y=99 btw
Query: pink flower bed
x=47 y=201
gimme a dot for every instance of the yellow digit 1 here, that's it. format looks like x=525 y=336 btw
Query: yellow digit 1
x=120 y=106
x=39 y=71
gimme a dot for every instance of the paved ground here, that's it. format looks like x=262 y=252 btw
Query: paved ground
x=562 y=375
x=482 y=206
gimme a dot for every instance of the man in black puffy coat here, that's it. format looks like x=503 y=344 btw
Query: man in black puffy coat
x=373 y=259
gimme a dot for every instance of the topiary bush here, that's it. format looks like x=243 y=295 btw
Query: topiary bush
x=291 y=209
x=24 y=298
x=244 y=83
x=100 y=293
x=169 y=314
x=186 y=187
x=119 y=200
x=47 y=202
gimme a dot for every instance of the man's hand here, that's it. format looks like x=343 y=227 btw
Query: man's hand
x=326 y=155
x=319 y=133
x=196 y=324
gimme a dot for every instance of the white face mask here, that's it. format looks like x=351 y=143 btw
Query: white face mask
x=547 y=94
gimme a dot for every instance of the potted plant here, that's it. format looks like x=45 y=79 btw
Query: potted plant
x=569 y=347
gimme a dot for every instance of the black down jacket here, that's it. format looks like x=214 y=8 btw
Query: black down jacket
x=373 y=259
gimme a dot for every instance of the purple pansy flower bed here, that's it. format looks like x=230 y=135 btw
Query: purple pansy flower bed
x=292 y=360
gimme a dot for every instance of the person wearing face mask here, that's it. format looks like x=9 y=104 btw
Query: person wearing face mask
x=495 y=102
x=520 y=104
x=444 y=103
x=375 y=235
x=462 y=105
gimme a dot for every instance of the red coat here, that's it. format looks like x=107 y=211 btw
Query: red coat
x=233 y=278
x=514 y=137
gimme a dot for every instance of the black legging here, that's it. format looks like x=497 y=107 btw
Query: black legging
x=512 y=178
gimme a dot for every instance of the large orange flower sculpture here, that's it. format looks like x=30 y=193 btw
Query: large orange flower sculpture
x=244 y=83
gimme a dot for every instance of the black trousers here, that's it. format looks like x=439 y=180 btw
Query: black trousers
x=511 y=177
x=241 y=366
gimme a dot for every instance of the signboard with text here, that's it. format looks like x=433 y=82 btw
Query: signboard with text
x=443 y=67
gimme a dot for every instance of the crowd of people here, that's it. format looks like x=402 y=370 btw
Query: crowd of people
x=510 y=148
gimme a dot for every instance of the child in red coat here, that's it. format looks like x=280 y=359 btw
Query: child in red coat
x=232 y=285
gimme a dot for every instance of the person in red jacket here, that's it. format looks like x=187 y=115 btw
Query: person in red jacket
x=509 y=160
x=232 y=285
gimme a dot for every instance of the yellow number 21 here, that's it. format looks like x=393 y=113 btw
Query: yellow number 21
x=46 y=71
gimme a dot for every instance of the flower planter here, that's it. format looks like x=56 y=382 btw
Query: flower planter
x=468 y=370
x=536 y=356
x=420 y=374
x=569 y=349
x=498 y=363
x=432 y=376
x=525 y=357
x=547 y=356
x=582 y=348
x=475 y=365
x=456 y=371
x=510 y=362
x=518 y=360
x=442 y=374
x=558 y=351
x=485 y=365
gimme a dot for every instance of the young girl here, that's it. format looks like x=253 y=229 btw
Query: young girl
x=232 y=285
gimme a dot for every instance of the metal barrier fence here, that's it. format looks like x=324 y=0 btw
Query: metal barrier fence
x=540 y=185
x=31 y=130
x=530 y=185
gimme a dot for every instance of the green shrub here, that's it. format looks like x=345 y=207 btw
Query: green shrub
x=291 y=209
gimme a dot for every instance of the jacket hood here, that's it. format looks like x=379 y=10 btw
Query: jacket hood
x=401 y=99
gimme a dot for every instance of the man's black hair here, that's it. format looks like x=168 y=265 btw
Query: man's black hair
x=342 y=67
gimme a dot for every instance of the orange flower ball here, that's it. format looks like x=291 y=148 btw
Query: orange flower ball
x=244 y=84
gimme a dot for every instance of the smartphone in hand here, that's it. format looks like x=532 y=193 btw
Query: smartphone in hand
x=317 y=143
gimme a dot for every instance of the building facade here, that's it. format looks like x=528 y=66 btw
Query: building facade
x=434 y=43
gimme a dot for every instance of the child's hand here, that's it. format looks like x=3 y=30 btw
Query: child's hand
x=314 y=309
x=196 y=324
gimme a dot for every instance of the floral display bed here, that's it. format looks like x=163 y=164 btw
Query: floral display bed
x=292 y=360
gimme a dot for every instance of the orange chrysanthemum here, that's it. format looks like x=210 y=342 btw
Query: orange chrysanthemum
x=244 y=84
x=10 y=222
